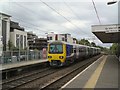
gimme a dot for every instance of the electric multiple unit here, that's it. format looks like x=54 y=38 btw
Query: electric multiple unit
x=62 y=53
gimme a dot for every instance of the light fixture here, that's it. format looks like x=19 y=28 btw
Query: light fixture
x=111 y=2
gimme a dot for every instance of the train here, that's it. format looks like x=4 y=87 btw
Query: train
x=61 y=53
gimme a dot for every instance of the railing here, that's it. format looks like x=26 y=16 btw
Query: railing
x=16 y=56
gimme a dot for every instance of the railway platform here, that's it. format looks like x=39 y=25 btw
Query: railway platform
x=21 y=64
x=6 y=69
x=103 y=73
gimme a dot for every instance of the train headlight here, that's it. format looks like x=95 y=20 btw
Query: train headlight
x=49 y=56
x=61 y=57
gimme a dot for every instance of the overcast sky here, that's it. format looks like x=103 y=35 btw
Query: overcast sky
x=35 y=16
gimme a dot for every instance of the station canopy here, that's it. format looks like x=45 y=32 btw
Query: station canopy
x=107 y=33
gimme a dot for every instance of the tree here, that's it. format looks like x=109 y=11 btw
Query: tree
x=93 y=44
x=76 y=40
x=84 y=42
x=104 y=49
x=114 y=48
x=10 y=45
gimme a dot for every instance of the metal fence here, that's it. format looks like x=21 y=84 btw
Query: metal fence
x=16 y=56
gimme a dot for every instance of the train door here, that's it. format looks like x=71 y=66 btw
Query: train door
x=69 y=54
x=68 y=49
x=77 y=52
x=74 y=51
x=86 y=52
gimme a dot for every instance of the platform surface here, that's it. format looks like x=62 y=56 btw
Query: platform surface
x=20 y=64
x=103 y=73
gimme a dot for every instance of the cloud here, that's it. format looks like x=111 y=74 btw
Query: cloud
x=37 y=17
x=54 y=1
x=78 y=23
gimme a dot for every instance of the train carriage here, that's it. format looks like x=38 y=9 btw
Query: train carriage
x=62 y=53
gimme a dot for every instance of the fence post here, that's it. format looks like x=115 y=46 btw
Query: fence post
x=27 y=54
x=11 y=56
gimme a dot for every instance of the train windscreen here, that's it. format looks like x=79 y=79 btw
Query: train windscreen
x=56 y=48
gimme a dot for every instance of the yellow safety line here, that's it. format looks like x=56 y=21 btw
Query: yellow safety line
x=94 y=78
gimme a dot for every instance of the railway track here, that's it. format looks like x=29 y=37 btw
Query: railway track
x=16 y=82
x=51 y=83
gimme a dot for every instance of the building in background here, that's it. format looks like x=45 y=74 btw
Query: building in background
x=53 y=37
x=31 y=36
x=1 y=43
x=67 y=37
x=36 y=43
x=4 y=31
x=39 y=44
x=61 y=37
x=31 y=40
x=18 y=36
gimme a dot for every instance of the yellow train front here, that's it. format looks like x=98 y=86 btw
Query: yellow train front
x=58 y=52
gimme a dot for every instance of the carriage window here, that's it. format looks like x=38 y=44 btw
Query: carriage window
x=56 y=48
x=59 y=48
x=52 y=47
x=50 y=38
x=81 y=50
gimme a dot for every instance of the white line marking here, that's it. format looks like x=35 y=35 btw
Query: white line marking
x=80 y=73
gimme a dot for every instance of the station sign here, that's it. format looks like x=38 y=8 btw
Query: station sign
x=112 y=28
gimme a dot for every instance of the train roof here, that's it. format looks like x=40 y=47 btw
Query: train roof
x=72 y=44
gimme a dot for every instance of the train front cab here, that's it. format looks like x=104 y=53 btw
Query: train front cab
x=56 y=54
